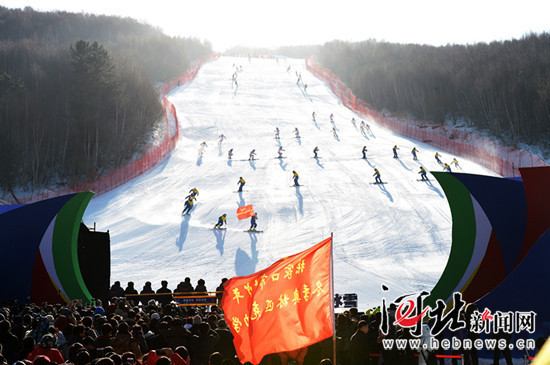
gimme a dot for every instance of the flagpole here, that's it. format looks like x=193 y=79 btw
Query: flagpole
x=332 y=300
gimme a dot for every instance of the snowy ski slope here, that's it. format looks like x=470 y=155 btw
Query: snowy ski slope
x=397 y=234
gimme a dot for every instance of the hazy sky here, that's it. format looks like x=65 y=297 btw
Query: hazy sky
x=263 y=23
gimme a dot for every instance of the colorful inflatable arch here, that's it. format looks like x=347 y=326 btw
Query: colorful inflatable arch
x=40 y=247
x=500 y=241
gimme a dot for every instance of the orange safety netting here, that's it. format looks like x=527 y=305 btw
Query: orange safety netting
x=485 y=151
x=153 y=155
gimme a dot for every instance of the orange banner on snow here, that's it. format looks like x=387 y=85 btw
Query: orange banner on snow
x=282 y=308
x=245 y=212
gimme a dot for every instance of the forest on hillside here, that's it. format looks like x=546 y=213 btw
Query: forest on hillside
x=502 y=88
x=77 y=93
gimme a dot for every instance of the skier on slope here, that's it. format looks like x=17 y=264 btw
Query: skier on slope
x=295 y=177
x=367 y=127
x=230 y=154
x=364 y=151
x=221 y=221
x=313 y=116
x=315 y=150
x=455 y=162
x=446 y=167
x=422 y=173
x=241 y=184
x=353 y=122
x=188 y=205
x=252 y=155
x=222 y=138
x=437 y=156
x=193 y=193
x=331 y=118
x=276 y=132
x=395 y=148
x=414 y=151
x=280 y=152
x=253 y=223
x=296 y=133
x=377 y=178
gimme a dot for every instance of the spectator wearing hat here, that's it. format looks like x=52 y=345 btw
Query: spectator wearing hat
x=27 y=346
x=164 y=299
x=197 y=320
x=203 y=344
x=219 y=291
x=178 y=335
x=104 y=339
x=147 y=289
x=124 y=341
x=47 y=348
x=200 y=288
x=184 y=286
x=130 y=288
x=116 y=290
x=8 y=341
x=225 y=346
x=359 y=345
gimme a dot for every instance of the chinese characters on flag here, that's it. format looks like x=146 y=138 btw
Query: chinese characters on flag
x=245 y=212
x=282 y=308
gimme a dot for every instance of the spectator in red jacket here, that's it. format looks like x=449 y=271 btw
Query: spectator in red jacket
x=47 y=348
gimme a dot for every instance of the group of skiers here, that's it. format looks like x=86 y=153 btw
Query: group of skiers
x=422 y=172
x=189 y=201
x=222 y=220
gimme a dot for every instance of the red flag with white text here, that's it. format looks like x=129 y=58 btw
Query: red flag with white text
x=245 y=212
x=282 y=308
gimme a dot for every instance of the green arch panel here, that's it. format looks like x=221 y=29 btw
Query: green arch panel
x=463 y=237
x=65 y=246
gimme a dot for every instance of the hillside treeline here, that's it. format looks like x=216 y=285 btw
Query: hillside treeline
x=77 y=94
x=501 y=87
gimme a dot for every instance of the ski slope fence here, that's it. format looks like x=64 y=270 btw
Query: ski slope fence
x=149 y=159
x=485 y=151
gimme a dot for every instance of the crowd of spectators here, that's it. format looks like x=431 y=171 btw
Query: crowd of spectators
x=147 y=329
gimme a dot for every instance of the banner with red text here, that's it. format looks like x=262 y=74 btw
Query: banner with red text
x=282 y=308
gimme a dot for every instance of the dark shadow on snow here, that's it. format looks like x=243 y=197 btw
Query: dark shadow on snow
x=282 y=164
x=306 y=95
x=300 y=200
x=199 y=160
x=367 y=160
x=432 y=187
x=402 y=164
x=244 y=264
x=184 y=228
x=385 y=191
x=252 y=164
x=319 y=162
x=220 y=239
x=241 y=202
x=317 y=125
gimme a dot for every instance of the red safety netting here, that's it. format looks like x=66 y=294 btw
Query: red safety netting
x=152 y=156
x=487 y=152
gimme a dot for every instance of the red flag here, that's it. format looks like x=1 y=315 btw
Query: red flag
x=245 y=212
x=282 y=308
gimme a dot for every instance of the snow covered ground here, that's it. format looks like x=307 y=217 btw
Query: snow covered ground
x=397 y=234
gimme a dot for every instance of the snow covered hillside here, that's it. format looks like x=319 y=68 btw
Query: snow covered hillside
x=397 y=234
